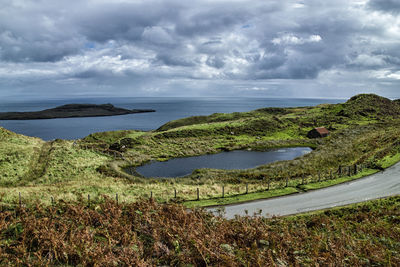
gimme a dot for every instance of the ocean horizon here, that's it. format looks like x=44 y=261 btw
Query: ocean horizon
x=167 y=109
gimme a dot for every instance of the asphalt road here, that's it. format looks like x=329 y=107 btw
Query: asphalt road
x=382 y=184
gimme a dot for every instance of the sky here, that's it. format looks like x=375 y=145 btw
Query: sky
x=245 y=48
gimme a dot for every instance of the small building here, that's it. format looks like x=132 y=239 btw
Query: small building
x=318 y=132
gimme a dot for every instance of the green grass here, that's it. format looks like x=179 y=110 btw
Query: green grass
x=389 y=160
x=384 y=202
x=18 y=155
x=327 y=183
x=112 y=136
x=69 y=169
x=240 y=198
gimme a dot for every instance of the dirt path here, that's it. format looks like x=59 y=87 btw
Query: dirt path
x=39 y=164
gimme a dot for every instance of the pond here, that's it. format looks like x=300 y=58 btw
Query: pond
x=237 y=159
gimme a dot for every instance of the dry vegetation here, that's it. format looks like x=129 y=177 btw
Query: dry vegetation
x=149 y=234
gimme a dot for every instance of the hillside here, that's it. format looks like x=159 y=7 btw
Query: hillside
x=370 y=105
x=18 y=156
x=95 y=165
x=363 y=106
x=57 y=209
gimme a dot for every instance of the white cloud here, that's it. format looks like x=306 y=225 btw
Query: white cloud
x=291 y=39
x=369 y=60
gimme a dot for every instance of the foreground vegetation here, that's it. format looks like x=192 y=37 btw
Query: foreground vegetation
x=364 y=131
x=145 y=233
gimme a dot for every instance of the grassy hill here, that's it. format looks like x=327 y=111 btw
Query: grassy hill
x=19 y=154
x=364 y=131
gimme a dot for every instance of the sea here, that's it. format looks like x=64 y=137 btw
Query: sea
x=167 y=109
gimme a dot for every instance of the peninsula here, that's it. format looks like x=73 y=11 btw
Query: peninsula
x=72 y=111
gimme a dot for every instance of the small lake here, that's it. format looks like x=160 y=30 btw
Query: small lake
x=238 y=159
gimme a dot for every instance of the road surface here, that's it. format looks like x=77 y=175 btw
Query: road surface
x=382 y=184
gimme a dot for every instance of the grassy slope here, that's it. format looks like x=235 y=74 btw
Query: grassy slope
x=149 y=234
x=365 y=131
x=18 y=156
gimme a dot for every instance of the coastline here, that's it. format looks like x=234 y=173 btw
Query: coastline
x=72 y=111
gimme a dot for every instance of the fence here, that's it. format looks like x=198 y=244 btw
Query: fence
x=270 y=184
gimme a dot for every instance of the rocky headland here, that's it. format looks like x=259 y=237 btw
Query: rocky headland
x=72 y=111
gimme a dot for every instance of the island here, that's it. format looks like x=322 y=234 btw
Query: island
x=72 y=111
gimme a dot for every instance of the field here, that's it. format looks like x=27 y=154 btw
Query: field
x=364 y=132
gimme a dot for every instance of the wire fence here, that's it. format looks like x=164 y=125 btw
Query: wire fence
x=243 y=189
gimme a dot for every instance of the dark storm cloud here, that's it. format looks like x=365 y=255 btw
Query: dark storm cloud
x=211 y=21
x=175 y=60
x=215 y=61
x=29 y=35
x=126 y=21
x=125 y=42
x=391 y=6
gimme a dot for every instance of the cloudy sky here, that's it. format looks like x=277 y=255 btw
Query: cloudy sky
x=268 y=48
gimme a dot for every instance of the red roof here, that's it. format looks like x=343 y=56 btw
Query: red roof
x=322 y=130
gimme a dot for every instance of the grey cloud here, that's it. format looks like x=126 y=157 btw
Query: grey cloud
x=92 y=73
x=31 y=34
x=158 y=35
x=126 y=21
x=391 y=6
x=15 y=48
x=214 y=41
x=175 y=60
x=211 y=21
x=271 y=61
x=215 y=61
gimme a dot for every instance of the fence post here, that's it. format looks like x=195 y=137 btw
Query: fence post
x=174 y=192
x=269 y=181
x=223 y=191
x=151 y=194
x=355 y=169
x=116 y=197
x=340 y=170
x=19 y=199
x=247 y=188
x=52 y=201
x=198 y=194
x=287 y=181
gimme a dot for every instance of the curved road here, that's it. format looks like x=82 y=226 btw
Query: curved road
x=382 y=184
